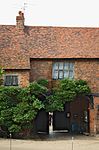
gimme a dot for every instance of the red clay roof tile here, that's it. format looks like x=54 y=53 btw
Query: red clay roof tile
x=17 y=46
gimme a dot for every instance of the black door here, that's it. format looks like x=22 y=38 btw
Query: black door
x=61 y=120
x=79 y=115
x=42 y=122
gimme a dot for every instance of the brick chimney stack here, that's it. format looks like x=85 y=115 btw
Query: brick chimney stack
x=20 y=20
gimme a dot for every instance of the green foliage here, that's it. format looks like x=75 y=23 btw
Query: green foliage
x=26 y=112
x=74 y=87
x=37 y=89
x=81 y=87
x=14 y=128
x=66 y=91
x=1 y=73
x=8 y=101
x=8 y=97
x=37 y=104
x=42 y=82
x=19 y=106
x=53 y=102
x=21 y=113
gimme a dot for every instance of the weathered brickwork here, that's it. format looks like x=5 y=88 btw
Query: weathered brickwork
x=20 y=43
x=41 y=69
x=96 y=107
x=92 y=122
x=23 y=76
x=94 y=117
x=86 y=69
x=20 y=21
x=35 y=48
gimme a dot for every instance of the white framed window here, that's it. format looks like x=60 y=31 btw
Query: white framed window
x=63 y=70
x=11 y=80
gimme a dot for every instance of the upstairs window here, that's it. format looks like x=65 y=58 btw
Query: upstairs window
x=63 y=70
x=11 y=80
x=98 y=107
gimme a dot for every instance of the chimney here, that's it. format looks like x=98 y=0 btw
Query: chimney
x=20 y=20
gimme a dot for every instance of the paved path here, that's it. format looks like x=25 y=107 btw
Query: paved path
x=79 y=143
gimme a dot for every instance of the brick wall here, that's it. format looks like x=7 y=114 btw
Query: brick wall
x=96 y=103
x=20 y=20
x=92 y=122
x=94 y=117
x=86 y=69
x=23 y=76
x=41 y=69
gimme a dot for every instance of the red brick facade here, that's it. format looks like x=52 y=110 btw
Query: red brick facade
x=96 y=108
x=94 y=117
x=31 y=51
x=41 y=69
x=86 y=69
x=23 y=76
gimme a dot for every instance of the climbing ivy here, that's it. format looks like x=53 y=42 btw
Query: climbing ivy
x=19 y=107
x=66 y=91
x=1 y=73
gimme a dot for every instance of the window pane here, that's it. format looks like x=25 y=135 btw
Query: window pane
x=8 y=80
x=71 y=65
x=55 y=74
x=60 y=74
x=55 y=66
x=60 y=65
x=66 y=66
x=11 y=80
x=14 y=80
x=66 y=74
x=63 y=70
x=71 y=74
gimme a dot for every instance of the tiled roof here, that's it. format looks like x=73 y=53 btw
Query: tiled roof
x=62 y=42
x=17 y=46
x=13 y=54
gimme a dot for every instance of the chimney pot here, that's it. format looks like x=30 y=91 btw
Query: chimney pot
x=20 y=20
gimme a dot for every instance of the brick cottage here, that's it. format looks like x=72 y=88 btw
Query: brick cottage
x=29 y=53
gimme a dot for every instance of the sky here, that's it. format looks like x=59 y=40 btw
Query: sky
x=67 y=13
